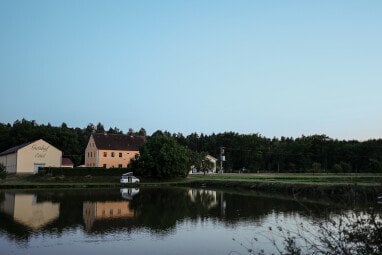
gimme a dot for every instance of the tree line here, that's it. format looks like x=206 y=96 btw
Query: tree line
x=252 y=152
x=316 y=153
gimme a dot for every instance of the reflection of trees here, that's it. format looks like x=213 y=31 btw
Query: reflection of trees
x=157 y=209
x=2 y=197
x=13 y=230
x=160 y=209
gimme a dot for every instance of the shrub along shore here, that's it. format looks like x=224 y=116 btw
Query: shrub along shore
x=322 y=186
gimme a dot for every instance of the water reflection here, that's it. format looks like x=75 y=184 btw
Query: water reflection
x=162 y=212
x=129 y=193
x=207 y=198
x=26 y=210
x=109 y=210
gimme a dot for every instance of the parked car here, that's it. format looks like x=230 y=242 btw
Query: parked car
x=129 y=178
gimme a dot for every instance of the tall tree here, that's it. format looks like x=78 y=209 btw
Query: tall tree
x=100 y=128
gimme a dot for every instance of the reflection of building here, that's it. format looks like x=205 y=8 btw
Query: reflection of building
x=207 y=198
x=93 y=211
x=112 y=150
x=28 y=157
x=27 y=211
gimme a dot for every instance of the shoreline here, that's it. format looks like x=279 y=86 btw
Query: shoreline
x=303 y=190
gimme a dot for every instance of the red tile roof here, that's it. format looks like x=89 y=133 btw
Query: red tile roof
x=118 y=142
x=66 y=162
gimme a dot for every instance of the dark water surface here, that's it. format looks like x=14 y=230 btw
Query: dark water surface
x=146 y=221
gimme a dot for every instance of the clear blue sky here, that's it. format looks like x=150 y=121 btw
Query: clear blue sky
x=270 y=67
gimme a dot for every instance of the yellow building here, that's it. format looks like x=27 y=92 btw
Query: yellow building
x=29 y=157
x=112 y=150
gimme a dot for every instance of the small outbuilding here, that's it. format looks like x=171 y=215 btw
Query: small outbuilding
x=27 y=158
x=67 y=162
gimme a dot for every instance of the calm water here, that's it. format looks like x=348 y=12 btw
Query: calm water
x=145 y=221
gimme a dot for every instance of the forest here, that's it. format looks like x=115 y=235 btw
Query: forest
x=248 y=152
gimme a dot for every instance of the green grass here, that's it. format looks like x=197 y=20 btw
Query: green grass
x=374 y=180
x=34 y=181
x=317 y=179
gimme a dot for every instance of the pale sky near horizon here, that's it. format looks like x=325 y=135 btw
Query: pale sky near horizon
x=278 y=68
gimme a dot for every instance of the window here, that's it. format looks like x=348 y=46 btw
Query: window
x=111 y=212
x=120 y=154
x=103 y=212
x=112 y=154
x=91 y=154
x=88 y=154
x=105 y=154
x=104 y=165
x=119 y=211
x=120 y=165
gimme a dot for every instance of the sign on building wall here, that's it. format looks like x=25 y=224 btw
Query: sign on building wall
x=40 y=151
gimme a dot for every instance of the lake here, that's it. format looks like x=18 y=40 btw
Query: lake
x=152 y=221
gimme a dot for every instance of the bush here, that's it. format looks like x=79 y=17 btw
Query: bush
x=375 y=165
x=342 y=167
x=3 y=172
x=82 y=171
x=161 y=157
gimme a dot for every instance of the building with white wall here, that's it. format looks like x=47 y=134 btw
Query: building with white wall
x=29 y=157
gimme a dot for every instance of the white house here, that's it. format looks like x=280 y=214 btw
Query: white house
x=213 y=161
x=27 y=158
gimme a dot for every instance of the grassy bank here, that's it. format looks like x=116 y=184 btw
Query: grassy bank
x=322 y=186
x=317 y=185
x=34 y=181
x=292 y=178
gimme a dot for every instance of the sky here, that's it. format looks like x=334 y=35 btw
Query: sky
x=277 y=68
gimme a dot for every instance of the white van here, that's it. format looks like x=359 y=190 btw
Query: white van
x=129 y=178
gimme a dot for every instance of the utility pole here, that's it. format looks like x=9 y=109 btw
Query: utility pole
x=222 y=158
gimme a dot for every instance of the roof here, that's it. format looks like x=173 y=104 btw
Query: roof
x=18 y=147
x=211 y=157
x=67 y=162
x=118 y=142
x=14 y=149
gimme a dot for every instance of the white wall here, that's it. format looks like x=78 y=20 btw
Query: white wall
x=39 y=152
x=10 y=162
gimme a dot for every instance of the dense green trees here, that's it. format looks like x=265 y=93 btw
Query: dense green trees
x=161 y=157
x=317 y=153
